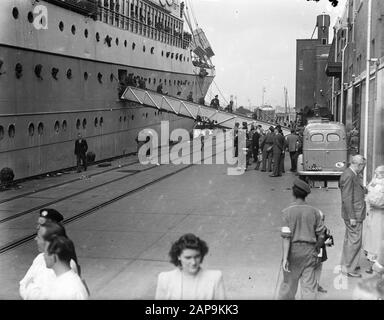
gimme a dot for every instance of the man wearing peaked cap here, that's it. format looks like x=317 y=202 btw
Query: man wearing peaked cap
x=302 y=185
x=302 y=230
x=49 y=214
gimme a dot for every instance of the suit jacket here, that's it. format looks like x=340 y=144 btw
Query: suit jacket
x=292 y=140
x=81 y=147
x=255 y=140
x=352 y=196
x=278 y=143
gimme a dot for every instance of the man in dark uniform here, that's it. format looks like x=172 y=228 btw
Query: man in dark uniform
x=302 y=230
x=277 y=149
x=81 y=148
x=266 y=146
x=255 y=146
x=292 y=141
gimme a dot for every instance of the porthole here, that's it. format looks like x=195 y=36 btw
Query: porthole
x=64 y=125
x=125 y=118
x=125 y=43
x=133 y=117
x=120 y=118
x=101 y=121
x=96 y=122
x=117 y=41
x=177 y=56
x=111 y=77
x=73 y=29
x=155 y=113
x=84 y=123
x=97 y=37
x=170 y=82
x=38 y=69
x=15 y=12
x=1 y=132
x=11 y=131
x=30 y=16
x=152 y=50
x=168 y=53
x=69 y=73
x=146 y=114
x=18 y=70
x=54 y=73
x=174 y=82
x=85 y=75
x=86 y=33
x=162 y=53
x=133 y=46
x=184 y=59
x=40 y=129
x=31 y=129
x=61 y=25
x=57 y=126
x=172 y=54
x=100 y=77
x=149 y=80
x=181 y=57
x=154 y=80
x=78 y=124
x=143 y=48
x=187 y=59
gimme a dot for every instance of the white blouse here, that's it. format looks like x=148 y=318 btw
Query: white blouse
x=205 y=285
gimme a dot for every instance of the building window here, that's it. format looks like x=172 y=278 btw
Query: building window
x=97 y=37
x=1 y=132
x=125 y=43
x=85 y=75
x=101 y=121
x=64 y=125
x=100 y=77
x=78 y=124
x=69 y=73
x=84 y=123
x=96 y=122
x=117 y=41
x=133 y=46
x=73 y=29
x=54 y=73
x=86 y=33
x=324 y=41
x=61 y=25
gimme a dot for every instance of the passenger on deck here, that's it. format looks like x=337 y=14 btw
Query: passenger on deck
x=66 y=285
x=159 y=88
x=35 y=284
x=229 y=108
x=190 y=96
x=189 y=281
x=215 y=103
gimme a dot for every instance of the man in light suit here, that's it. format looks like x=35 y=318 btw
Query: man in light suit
x=353 y=212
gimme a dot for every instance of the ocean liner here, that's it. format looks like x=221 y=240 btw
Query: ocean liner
x=64 y=65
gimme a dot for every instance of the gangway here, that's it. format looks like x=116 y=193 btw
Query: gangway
x=190 y=109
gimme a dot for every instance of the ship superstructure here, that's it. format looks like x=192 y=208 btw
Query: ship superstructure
x=62 y=67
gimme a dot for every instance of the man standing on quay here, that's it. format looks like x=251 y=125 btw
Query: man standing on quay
x=81 y=148
x=353 y=213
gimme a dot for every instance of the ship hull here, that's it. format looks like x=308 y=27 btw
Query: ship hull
x=41 y=114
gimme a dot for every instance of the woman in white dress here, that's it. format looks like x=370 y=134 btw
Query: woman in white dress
x=374 y=225
x=189 y=281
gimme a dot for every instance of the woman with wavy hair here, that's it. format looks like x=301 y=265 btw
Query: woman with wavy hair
x=374 y=226
x=188 y=281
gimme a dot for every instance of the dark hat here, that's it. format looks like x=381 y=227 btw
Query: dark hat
x=51 y=214
x=302 y=185
x=216 y=95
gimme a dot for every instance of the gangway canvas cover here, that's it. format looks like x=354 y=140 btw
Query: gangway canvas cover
x=189 y=109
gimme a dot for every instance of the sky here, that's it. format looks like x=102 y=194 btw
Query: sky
x=255 y=44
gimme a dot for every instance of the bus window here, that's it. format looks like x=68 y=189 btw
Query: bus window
x=333 y=137
x=317 y=137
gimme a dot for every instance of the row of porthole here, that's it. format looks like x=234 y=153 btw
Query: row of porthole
x=54 y=72
x=40 y=127
x=64 y=125
x=108 y=39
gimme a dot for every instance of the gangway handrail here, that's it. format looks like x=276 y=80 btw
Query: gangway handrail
x=191 y=109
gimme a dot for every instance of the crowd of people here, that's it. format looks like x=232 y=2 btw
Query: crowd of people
x=268 y=148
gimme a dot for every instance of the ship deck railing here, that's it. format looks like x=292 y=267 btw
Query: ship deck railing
x=190 y=109
x=134 y=25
